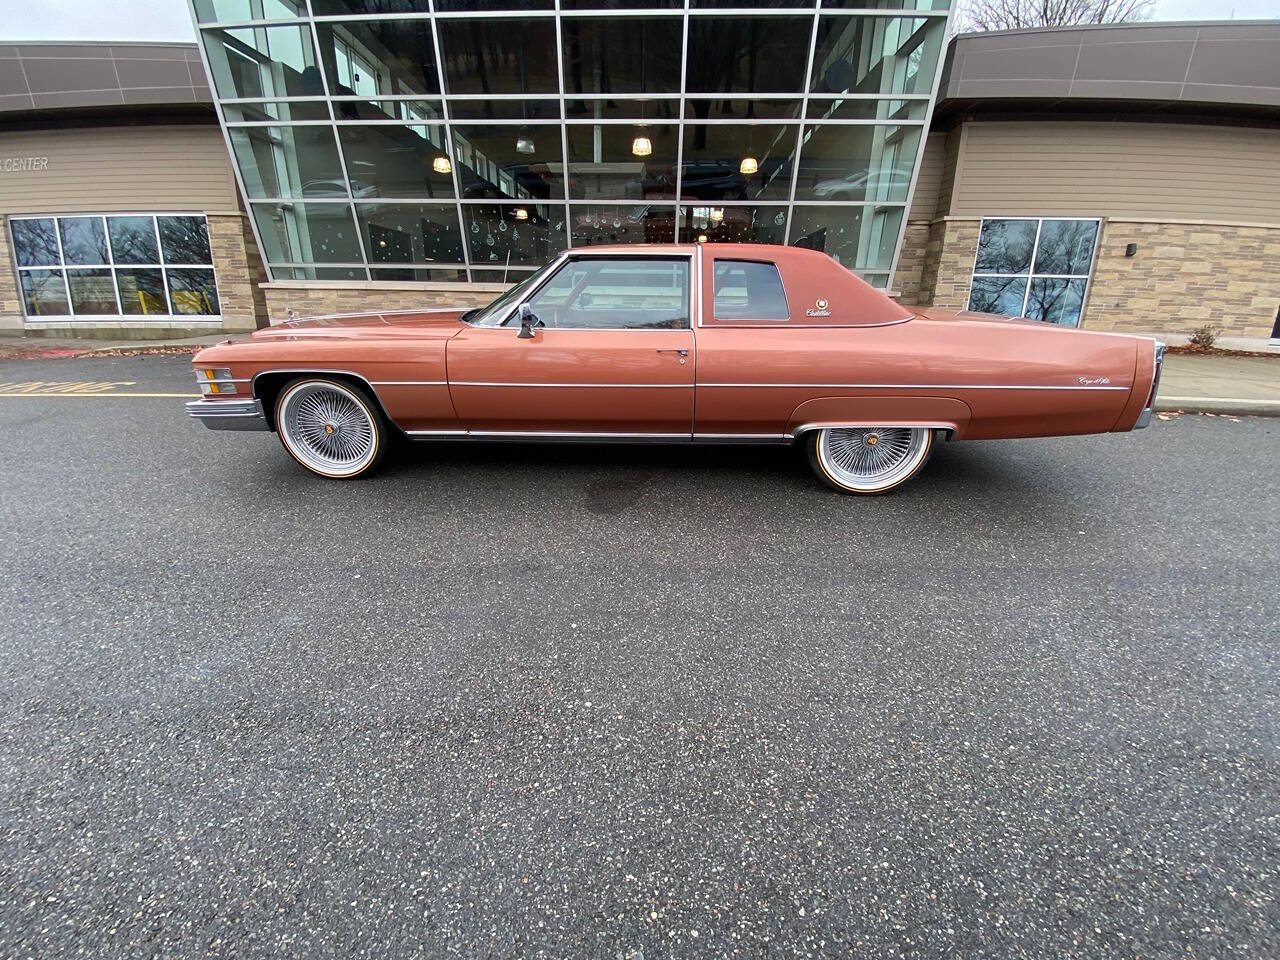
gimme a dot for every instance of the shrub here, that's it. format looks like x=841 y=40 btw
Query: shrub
x=1204 y=336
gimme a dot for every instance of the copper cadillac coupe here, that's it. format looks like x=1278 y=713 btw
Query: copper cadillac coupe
x=709 y=343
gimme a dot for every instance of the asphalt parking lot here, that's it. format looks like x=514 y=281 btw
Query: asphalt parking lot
x=553 y=701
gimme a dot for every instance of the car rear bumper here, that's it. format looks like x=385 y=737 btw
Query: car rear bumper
x=229 y=414
x=1144 y=418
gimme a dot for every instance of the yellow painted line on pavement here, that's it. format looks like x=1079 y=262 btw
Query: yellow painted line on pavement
x=79 y=388
x=95 y=396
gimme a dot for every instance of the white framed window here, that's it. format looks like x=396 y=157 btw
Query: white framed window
x=1034 y=267
x=100 y=266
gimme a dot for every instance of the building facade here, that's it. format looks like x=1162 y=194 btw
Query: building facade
x=383 y=154
x=400 y=148
x=1117 y=178
x=121 y=216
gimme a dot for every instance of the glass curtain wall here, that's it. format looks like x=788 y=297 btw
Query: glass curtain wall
x=475 y=139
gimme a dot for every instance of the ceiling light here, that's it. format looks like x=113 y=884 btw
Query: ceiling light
x=441 y=164
x=522 y=213
x=525 y=145
x=641 y=147
x=748 y=166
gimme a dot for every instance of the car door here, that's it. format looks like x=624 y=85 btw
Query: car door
x=612 y=355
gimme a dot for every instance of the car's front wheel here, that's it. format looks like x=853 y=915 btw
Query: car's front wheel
x=330 y=428
x=869 y=460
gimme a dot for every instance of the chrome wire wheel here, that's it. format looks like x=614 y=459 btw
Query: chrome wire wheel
x=870 y=459
x=329 y=428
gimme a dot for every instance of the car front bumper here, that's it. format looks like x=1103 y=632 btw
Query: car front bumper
x=229 y=414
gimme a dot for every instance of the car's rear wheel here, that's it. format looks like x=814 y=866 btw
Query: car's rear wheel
x=331 y=428
x=869 y=460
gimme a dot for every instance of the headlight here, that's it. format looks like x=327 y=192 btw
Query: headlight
x=215 y=380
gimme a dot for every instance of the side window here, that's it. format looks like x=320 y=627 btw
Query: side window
x=596 y=293
x=749 y=290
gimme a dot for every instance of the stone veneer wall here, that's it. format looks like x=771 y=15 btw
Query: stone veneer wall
x=10 y=304
x=239 y=270
x=315 y=298
x=911 y=261
x=1184 y=275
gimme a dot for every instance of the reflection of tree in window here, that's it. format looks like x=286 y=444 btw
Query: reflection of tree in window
x=35 y=242
x=133 y=240
x=184 y=239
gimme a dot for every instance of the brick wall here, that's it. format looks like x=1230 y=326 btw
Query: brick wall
x=1184 y=276
x=314 y=299
x=10 y=306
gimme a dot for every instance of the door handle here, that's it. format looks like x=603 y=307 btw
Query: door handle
x=684 y=354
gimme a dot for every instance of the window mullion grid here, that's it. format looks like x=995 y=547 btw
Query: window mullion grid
x=564 y=131
x=337 y=141
x=164 y=268
x=680 y=124
x=448 y=139
x=111 y=259
x=1031 y=267
x=804 y=113
x=62 y=262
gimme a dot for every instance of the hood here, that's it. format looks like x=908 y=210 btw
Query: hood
x=388 y=324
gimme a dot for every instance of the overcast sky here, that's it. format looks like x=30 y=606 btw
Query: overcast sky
x=169 y=19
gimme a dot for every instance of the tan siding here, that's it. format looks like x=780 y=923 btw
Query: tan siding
x=947 y=176
x=1143 y=171
x=925 y=200
x=119 y=168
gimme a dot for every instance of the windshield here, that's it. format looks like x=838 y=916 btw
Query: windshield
x=491 y=315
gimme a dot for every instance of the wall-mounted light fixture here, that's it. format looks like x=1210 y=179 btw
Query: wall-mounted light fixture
x=441 y=164
x=1130 y=249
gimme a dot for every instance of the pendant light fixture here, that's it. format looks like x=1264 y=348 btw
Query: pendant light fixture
x=748 y=166
x=442 y=165
x=641 y=147
x=522 y=213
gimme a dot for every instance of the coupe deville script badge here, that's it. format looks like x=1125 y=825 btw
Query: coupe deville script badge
x=1093 y=381
x=819 y=309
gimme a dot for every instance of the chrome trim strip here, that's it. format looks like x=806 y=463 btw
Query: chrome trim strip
x=574 y=434
x=744 y=437
x=408 y=383
x=903 y=386
x=860 y=424
x=436 y=433
x=243 y=414
x=629 y=386
x=1157 y=359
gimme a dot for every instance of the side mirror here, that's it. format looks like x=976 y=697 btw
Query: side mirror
x=527 y=320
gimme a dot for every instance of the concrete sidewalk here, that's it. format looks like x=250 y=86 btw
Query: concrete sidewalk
x=1190 y=383
x=1213 y=384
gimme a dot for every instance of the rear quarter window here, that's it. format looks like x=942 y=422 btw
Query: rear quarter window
x=748 y=290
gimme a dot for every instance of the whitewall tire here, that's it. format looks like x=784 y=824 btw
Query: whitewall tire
x=868 y=460
x=330 y=427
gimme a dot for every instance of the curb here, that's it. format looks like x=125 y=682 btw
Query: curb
x=1233 y=406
